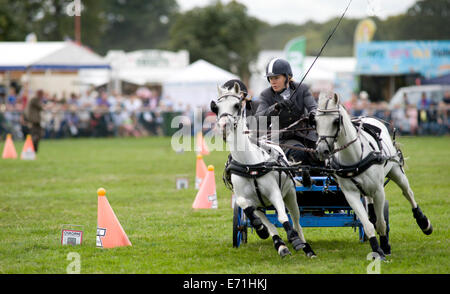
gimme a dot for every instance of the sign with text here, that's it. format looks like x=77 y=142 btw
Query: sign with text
x=295 y=51
x=428 y=58
x=71 y=236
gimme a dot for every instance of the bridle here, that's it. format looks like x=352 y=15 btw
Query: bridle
x=339 y=122
x=241 y=114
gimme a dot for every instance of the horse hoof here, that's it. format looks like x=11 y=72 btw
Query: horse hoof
x=423 y=222
x=379 y=254
x=429 y=230
x=297 y=244
x=387 y=251
x=308 y=251
x=283 y=251
x=384 y=244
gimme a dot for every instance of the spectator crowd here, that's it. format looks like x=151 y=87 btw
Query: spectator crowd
x=427 y=117
x=92 y=114
x=99 y=114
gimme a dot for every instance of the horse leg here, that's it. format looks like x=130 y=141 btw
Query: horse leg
x=399 y=177
x=278 y=243
x=292 y=206
x=353 y=199
x=371 y=210
x=380 y=221
x=256 y=222
x=277 y=201
x=293 y=235
x=249 y=208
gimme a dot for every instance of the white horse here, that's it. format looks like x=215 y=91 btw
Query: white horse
x=348 y=147
x=253 y=192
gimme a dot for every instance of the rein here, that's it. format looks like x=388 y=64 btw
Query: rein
x=374 y=157
x=243 y=114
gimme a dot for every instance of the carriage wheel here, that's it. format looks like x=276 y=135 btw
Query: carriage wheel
x=362 y=235
x=239 y=226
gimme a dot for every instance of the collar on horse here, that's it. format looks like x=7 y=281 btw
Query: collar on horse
x=374 y=157
x=350 y=171
x=250 y=170
x=254 y=171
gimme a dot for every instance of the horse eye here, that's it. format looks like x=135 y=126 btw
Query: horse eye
x=236 y=106
x=336 y=122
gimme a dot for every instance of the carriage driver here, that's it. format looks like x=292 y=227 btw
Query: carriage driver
x=277 y=101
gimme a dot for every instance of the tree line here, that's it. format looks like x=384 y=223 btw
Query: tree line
x=223 y=34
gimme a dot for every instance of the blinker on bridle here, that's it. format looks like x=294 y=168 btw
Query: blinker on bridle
x=339 y=122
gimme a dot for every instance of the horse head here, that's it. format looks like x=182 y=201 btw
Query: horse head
x=228 y=108
x=328 y=123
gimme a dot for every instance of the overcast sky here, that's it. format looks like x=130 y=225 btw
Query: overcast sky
x=301 y=11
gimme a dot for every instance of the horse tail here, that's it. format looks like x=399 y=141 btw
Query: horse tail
x=399 y=153
x=226 y=177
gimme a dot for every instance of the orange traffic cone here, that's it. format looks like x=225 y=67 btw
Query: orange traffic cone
x=28 y=149
x=206 y=196
x=9 y=151
x=200 y=171
x=110 y=233
x=202 y=148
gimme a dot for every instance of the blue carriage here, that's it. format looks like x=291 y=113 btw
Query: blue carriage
x=321 y=205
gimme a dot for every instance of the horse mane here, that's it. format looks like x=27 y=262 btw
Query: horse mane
x=324 y=100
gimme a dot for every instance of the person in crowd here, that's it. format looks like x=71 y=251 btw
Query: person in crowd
x=133 y=104
x=363 y=104
x=411 y=114
x=405 y=100
x=432 y=115
x=423 y=119
x=349 y=104
x=32 y=116
x=401 y=122
x=102 y=102
x=445 y=111
x=424 y=102
x=380 y=111
x=73 y=101
x=12 y=96
x=87 y=99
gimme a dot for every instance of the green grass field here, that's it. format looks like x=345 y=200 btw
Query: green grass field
x=168 y=236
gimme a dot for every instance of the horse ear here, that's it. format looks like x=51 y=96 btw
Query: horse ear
x=336 y=98
x=219 y=90
x=248 y=105
x=214 y=107
x=237 y=88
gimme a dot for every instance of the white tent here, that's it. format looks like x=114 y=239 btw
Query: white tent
x=68 y=55
x=50 y=66
x=141 y=67
x=196 y=85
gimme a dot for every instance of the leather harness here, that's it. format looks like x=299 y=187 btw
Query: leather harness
x=254 y=171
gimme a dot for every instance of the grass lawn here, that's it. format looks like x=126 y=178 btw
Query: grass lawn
x=168 y=236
